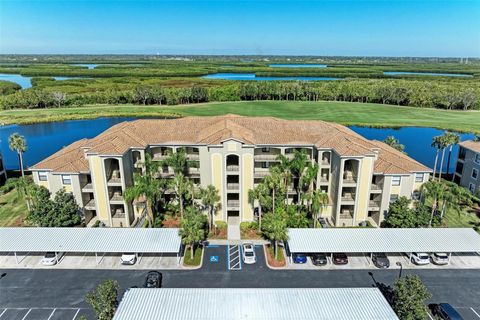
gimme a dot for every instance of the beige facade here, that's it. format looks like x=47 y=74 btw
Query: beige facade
x=360 y=176
x=467 y=170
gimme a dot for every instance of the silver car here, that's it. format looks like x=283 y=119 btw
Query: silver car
x=248 y=253
x=440 y=258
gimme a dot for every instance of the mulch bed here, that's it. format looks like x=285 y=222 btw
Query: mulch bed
x=171 y=222
x=271 y=258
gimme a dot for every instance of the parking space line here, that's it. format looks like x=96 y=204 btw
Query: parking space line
x=25 y=317
x=1 y=314
x=51 y=315
x=76 y=314
x=478 y=315
x=430 y=316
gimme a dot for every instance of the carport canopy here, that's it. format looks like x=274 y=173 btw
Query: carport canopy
x=90 y=240
x=259 y=303
x=388 y=240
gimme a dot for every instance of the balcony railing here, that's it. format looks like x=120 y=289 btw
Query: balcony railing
x=90 y=205
x=374 y=204
x=115 y=180
x=233 y=186
x=266 y=156
x=193 y=156
x=376 y=187
x=346 y=214
x=116 y=198
x=88 y=187
x=159 y=156
x=348 y=197
x=233 y=203
x=325 y=162
x=233 y=167
x=193 y=170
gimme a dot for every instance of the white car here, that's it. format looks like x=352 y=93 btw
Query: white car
x=50 y=258
x=440 y=258
x=248 y=253
x=128 y=258
x=420 y=258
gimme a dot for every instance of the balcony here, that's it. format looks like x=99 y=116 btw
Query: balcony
x=261 y=172
x=346 y=214
x=348 y=198
x=90 y=205
x=233 y=204
x=376 y=188
x=88 y=188
x=193 y=171
x=193 y=156
x=159 y=156
x=325 y=162
x=233 y=168
x=374 y=205
x=117 y=197
x=349 y=178
x=263 y=157
x=233 y=186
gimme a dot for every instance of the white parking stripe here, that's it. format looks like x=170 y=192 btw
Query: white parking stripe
x=431 y=318
x=26 y=314
x=76 y=314
x=478 y=315
x=1 y=314
x=51 y=315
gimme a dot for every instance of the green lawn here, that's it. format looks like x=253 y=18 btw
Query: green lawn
x=364 y=114
x=12 y=209
x=468 y=220
x=197 y=257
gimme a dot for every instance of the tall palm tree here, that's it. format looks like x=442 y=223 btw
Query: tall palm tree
x=274 y=183
x=308 y=178
x=394 y=143
x=192 y=228
x=146 y=186
x=210 y=199
x=17 y=143
x=437 y=145
x=298 y=165
x=182 y=187
x=178 y=161
x=443 y=144
x=433 y=191
x=284 y=167
x=320 y=201
x=275 y=229
x=258 y=194
x=453 y=139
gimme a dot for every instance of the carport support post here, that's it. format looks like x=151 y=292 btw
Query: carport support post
x=371 y=257
x=410 y=259
x=96 y=258
x=449 y=255
x=56 y=257
x=16 y=259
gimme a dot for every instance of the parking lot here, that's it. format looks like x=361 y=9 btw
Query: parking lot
x=363 y=261
x=89 y=261
x=44 y=313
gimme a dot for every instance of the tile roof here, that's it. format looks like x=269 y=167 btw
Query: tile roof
x=214 y=130
x=471 y=145
x=392 y=161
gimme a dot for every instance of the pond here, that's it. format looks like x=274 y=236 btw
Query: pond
x=399 y=73
x=43 y=139
x=253 y=77
x=26 y=82
x=292 y=65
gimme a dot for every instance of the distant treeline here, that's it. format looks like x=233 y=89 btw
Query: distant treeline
x=440 y=94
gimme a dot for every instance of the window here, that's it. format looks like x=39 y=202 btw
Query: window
x=396 y=180
x=43 y=176
x=418 y=177
x=265 y=165
x=475 y=174
x=265 y=150
x=66 y=179
x=471 y=187
x=416 y=195
x=393 y=198
x=477 y=158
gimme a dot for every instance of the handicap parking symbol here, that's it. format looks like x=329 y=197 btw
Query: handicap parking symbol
x=213 y=258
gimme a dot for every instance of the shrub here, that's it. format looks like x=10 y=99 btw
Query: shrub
x=248 y=225
x=221 y=225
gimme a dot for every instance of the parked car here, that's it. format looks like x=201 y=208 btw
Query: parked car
x=323 y=222
x=340 y=258
x=153 y=280
x=440 y=258
x=319 y=259
x=299 y=258
x=50 y=258
x=380 y=260
x=128 y=259
x=445 y=311
x=420 y=258
x=248 y=253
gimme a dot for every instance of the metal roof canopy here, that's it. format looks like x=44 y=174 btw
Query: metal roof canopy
x=92 y=240
x=254 y=304
x=370 y=240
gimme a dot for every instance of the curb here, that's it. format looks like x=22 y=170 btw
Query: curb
x=184 y=267
x=266 y=260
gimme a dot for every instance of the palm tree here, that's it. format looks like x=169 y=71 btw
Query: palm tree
x=17 y=143
x=453 y=139
x=210 y=199
x=298 y=165
x=443 y=144
x=178 y=161
x=273 y=182
x=437 y=145
x=259 y=194
x=146 y=186
x=192 y=228
x=284 y=166
x=275 y=229
x=434 y=191
x=394 y=143
x=308 y=178
x=182 y=187
x=320 y=201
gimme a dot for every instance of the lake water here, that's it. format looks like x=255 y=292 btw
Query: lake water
x=24 y=82
x=303 y=65
x=253 y=77
x=43 y=139
x=88 y=65
x=399 y=73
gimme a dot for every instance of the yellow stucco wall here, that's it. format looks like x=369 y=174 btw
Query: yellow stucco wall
x=217 y=180
x=247 y=184
x=396 y=189
x=100 y=188
x=43 y=184
x=68 y=188
x=363 y=190
x=231 y=146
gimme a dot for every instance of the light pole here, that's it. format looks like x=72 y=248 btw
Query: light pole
x=401 y=268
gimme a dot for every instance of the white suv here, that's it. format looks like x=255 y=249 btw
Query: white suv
x=51 y=259
x=248 y=253
x=128 y=258
x=420 y=258
x=440 y=258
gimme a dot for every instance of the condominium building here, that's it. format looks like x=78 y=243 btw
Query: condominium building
x=467 y=170
x=234 y=153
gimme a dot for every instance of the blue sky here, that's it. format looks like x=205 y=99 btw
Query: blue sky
x=365 y=28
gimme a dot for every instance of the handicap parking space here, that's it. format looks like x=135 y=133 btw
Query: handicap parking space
x=224 y=257
x=45 y=313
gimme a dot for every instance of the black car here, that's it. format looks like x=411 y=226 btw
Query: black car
x=445 y=311
x=340 y=258
x=153 y=280
x=319 y=259
x=380 y=260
